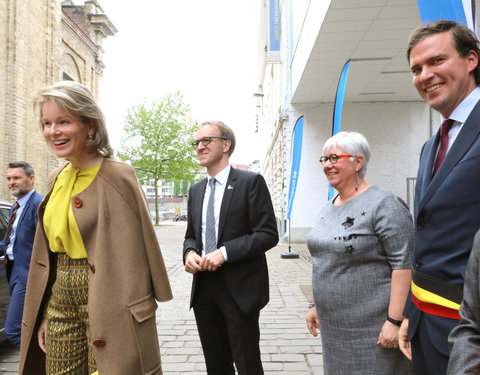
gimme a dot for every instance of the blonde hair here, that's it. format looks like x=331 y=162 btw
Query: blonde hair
x=225 y=132
x=77 y=99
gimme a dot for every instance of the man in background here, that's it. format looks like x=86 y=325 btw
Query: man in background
x=231 y=224
x=18 y=242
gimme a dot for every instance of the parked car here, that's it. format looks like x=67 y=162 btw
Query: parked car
x=4 y=287
x=4 y=214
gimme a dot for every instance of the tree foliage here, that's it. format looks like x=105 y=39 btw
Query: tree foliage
x=180 y=188
x=157 y=142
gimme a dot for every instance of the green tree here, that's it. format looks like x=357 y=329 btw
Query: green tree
x=157 y=142
x=180 y=188
x=185 y=186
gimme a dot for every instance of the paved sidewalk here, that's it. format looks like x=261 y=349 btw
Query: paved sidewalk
x=286 y=345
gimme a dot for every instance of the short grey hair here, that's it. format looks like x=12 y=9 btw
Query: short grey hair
x=353 y=143
x=27 y=168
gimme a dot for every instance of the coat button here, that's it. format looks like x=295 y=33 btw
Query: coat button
x=77 y=202
x=99 y=343
x=420 y=226
x=92 y=267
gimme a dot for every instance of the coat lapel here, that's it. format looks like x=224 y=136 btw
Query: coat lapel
x=227 y=198
x=432 y=153
x=467 y=136
x=25 y=209
x=197 y=206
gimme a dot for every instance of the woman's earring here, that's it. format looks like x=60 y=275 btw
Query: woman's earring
x=90 y=142
x=356 y=180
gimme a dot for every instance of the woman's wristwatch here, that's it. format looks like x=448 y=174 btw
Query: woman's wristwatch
x=394 y=321
x=310 y=305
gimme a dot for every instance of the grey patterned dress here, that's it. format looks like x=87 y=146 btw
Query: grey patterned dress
x=354 y=248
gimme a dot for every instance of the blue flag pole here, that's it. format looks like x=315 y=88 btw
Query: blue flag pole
x=296 y=151
x=337 y=109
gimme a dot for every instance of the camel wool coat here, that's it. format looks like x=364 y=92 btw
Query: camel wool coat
x=127 y=275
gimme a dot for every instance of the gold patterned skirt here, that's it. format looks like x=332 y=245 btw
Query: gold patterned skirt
x=69 y=348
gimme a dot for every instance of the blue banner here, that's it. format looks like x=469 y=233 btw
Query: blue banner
x=339 y=98
x=338 y=107
x=436 y=10
x=461 y=11
x=296 y=156
x=273 y=54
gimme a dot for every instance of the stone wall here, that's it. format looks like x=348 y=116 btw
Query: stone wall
x=42 y=45
x=29 y=61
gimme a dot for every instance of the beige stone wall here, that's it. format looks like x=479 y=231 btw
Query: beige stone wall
x=80 y=55
x=28 y=61
x=42 y=45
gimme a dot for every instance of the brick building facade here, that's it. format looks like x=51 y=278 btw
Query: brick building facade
x=43 y=41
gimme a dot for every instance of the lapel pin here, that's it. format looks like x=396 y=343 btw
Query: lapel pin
x=230 y=187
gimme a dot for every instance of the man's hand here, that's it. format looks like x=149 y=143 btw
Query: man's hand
x=403 y=342
x=192 y=262
x=312 y=321
x=212 y=261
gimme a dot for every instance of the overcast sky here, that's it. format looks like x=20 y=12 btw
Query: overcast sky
x=206 y=49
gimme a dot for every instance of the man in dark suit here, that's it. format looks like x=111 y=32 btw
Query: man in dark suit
x=443 y=57
x=18 y=242
x=231 y=224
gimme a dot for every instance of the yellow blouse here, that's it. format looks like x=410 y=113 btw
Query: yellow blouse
x=60 y=227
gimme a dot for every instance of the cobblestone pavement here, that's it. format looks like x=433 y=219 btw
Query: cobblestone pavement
x=286 y=345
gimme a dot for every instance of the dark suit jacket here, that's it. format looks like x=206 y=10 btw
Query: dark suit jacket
x=465 y=338
x=22 y=247
x=447 y=209
x=247 y=229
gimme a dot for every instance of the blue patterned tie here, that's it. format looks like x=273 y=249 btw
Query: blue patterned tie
x=210 y=237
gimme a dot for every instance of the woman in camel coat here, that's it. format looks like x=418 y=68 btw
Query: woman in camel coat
x=126 y=271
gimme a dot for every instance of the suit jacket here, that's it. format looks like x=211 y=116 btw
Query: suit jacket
x=464 y=339
x=447 y=209
x=127 y=274
x=247 y=228
x=25 y=234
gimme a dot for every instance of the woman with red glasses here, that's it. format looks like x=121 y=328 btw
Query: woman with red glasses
x=360 y=245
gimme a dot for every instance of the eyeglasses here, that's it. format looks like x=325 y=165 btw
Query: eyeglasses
x=333 y=158
x=206 y=141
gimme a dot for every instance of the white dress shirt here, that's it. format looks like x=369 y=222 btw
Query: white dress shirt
x=219 y=190
x=460 y=115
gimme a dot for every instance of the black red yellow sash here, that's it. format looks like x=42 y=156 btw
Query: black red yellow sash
x=435 y=296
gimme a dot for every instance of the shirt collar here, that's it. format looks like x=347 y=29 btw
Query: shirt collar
x=463 y=110
x=25 y=198
x=222 y=176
